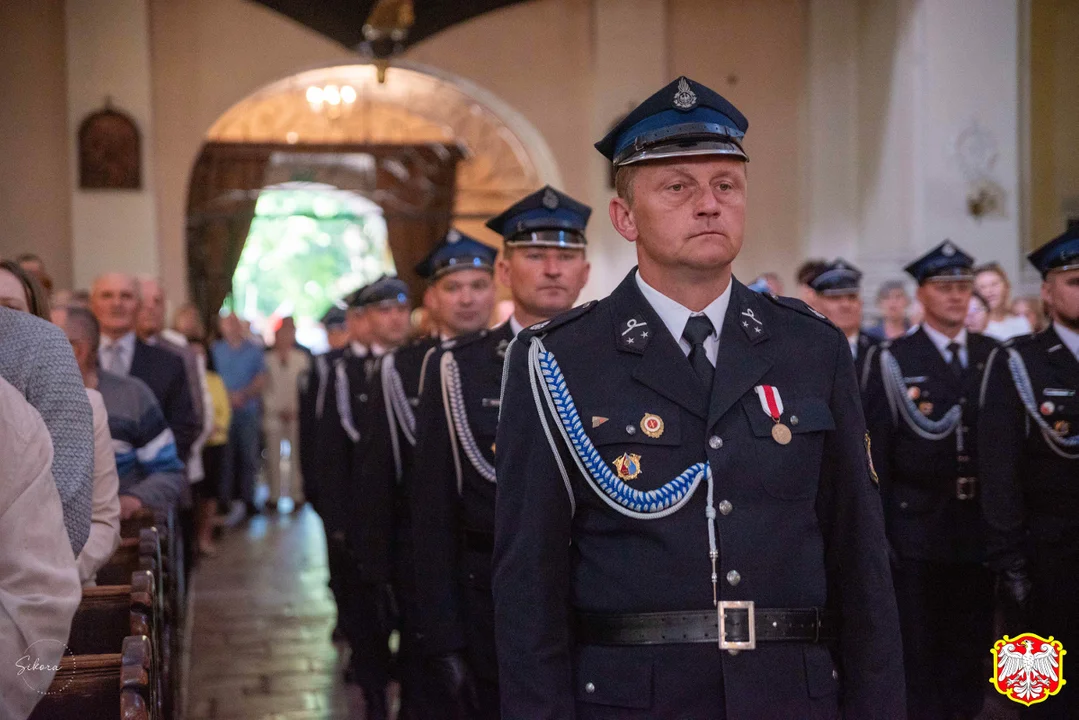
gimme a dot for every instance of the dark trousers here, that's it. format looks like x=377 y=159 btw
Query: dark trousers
x=1054 y=611
x=946 y=619
x=241 y=463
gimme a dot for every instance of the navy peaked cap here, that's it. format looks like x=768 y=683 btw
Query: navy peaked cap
x=839 y=278
x=944 y=262
x=546 y=218
x=1060 y=253
x=456 y=251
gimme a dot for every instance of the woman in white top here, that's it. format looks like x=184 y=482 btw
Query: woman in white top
x=285 y=363
x=992 y=283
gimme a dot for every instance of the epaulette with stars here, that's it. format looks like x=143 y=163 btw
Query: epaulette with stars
x=542 y=328
x=802 y=308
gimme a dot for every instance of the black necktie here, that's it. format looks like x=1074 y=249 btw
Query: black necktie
x=698 y=329
x=956 y=364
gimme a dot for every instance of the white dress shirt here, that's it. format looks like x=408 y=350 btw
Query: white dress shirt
x=115 y=356
x=358 y=349
x=675 y=316
x=852 y=340
x=942 y=342
x=1069 y=337
x=515 y=326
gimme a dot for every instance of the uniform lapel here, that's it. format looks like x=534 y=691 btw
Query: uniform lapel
x=663 y=367
x=1062 y=360
x=741 y=361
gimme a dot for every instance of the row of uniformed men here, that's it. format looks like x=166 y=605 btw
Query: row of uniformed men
x=595 y=565
x=976 y=446
x=398 y=442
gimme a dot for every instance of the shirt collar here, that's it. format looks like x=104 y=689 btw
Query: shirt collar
x=942 y=341
x=675 y=315
x=358 y=348
x=515 y=326
x=126 y=342
x=1069 y=337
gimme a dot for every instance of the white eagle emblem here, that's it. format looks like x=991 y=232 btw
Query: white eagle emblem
x=1025 y=674
x=550 y=200
x=684 y=98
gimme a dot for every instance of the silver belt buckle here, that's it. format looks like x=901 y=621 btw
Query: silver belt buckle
x=965 y=488
x=746 y=605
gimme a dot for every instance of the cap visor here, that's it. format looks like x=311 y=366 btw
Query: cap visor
x=685 y=149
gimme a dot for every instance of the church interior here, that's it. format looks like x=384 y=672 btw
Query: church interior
x=269 y=157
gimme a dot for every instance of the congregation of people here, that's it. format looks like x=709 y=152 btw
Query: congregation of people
x=459 y=594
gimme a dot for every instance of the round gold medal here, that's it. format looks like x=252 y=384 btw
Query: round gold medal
x=781 y=433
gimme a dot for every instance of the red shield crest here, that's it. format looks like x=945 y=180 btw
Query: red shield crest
x=1028 y=668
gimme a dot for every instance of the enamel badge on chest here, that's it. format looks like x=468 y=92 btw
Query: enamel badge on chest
x=772 y=405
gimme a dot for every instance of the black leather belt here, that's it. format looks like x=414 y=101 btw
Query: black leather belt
x=478 y=540
x=741 y=624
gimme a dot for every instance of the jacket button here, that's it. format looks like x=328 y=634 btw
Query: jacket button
x=794 y=419
x=835 y=674
x=715 y=442
x=363 y=397
x=631 y=430
x=725 y=507
x=589 y=688
x=733 y=577
x=904 y=505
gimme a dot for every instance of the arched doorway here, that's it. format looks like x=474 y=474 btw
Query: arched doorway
x=429 y=150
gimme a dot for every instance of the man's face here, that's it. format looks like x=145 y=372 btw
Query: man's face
x=231 y=329
x=844 y=310
x=544 y=281
x=337 y=337
x=286 y=334
x=114 y=301
x=945 y=302
x=463 y=300
x=686 y=214
x=389 y=324
x=894 y=305
x=151 y=316
x=992 y=287
x=1061 y=293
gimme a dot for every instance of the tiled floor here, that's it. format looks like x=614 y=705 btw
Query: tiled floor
x=262 y=617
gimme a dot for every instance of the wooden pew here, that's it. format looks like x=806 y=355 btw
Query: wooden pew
x=101 y=687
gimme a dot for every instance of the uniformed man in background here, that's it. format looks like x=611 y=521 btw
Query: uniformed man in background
x=686 y=526
x=838 y=290
x=452 y=480
x=1029 y=458
x=460 y=297
x=922 y=412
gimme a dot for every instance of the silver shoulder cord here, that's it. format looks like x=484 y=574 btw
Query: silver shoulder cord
x=323 y=369
x=1025 y=388
x=903 y=406
x=457 y=420
x=391 y=416
x=868 y=366
x=344 y=407
x=589 y=463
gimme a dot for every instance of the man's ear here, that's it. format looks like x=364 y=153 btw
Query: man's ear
x=623 y=219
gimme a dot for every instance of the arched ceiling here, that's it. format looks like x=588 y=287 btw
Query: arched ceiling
x=410 y=107
x=342 y=20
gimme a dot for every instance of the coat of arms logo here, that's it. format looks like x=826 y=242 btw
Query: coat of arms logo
x=1028 y=668
x=550 y=200
x=684 y=98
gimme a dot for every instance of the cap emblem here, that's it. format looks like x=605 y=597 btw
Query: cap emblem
x=453 y=236
x=948 y=250
x=684 y=98
x=550 y=200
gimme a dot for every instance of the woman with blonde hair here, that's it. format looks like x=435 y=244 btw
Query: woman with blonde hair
x=992 y=283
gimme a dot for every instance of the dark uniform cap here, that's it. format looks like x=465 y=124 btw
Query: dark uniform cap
x=334 y=317
x=839 y=278
x=685 y=118
x=546 y=218
x=456 y=251
x=1060 y=253
x=944 y=262
x=386 y=290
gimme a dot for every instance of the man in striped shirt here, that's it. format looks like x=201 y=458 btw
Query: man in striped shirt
x=151 y=473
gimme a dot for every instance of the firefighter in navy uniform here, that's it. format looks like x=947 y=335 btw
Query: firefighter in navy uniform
x=686 y=524
x=921 y=403
x=461 y=296
x=358 y=520
x=839 y=298
x=452 y=480
x=1029 y=456
x=334 y=323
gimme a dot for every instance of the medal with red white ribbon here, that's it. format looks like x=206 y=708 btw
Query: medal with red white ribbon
x=772 y=404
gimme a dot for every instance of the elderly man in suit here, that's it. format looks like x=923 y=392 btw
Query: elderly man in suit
x=114 y=300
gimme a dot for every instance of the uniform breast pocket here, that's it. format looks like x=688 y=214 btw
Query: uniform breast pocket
x=790 y=469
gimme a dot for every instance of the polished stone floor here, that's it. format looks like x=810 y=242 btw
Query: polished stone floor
x=262 y=616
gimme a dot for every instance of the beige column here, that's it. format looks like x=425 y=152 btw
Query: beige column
x=108 y=56
x=629 y=45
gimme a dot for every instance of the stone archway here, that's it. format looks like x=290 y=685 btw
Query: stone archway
x=443 y=151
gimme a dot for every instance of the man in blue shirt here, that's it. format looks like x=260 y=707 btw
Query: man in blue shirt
x=241 y=366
